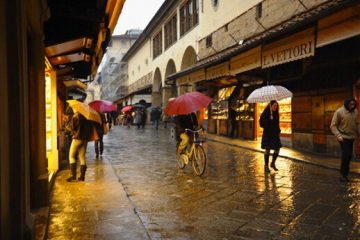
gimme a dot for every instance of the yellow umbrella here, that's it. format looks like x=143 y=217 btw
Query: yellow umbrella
x=85 y=110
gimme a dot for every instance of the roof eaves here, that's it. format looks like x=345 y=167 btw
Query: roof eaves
x=295 y=23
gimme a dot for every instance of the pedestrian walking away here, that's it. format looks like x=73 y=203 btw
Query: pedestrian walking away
x=128 y=118
x=109 y=119
x=81 y=131
x=101 y=129
x=269 y=121
x=138 y=118
x=155 y=115
x=344 y=126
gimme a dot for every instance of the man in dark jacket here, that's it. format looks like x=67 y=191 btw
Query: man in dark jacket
x=344 y=126
x=155 y=115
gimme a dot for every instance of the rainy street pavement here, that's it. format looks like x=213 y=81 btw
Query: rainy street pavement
x=232 y=200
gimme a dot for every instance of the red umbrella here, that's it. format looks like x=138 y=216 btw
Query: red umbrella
x=187 y=103
x=126 y=108
x=102 y=106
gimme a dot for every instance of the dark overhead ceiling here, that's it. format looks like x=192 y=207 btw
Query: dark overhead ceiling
x=70 y=20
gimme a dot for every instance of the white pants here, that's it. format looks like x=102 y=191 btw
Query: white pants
x=78 y=149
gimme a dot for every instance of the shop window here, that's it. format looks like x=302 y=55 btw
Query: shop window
x=244 y=110
x=220 y=108
x=284 y=115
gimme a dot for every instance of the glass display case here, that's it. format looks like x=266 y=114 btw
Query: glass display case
x=284 y=115
x=244 y=110
x=48 y=114
x=219 y=110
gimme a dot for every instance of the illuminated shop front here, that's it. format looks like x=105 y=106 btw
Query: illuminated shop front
x=284 y=119
x=51 y=123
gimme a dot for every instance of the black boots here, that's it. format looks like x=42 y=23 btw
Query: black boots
x=266 y=166
x=272 y=165
x=82 y=173
x=72 y=178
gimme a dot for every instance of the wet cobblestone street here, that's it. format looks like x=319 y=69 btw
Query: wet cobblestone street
x=136 y=191
x=233 y=199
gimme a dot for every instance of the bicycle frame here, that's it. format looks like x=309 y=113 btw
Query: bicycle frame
x=190 y=152
x=193 y=152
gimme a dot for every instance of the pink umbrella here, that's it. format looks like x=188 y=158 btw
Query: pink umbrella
x=103 y=106
x=187 y=103
x=126 y=108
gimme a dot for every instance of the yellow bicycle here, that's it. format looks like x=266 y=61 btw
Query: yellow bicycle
x=194 y=152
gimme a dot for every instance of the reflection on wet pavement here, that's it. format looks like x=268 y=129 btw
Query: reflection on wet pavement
x=233 y=199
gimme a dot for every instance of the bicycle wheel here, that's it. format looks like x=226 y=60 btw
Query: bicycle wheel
x=199 y=160
x=180 y=159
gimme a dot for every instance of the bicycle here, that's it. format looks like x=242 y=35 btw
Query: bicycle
x=193 y=152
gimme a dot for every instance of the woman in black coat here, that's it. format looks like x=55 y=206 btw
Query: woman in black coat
x=269 y=121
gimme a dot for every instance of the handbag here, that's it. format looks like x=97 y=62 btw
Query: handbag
x=105 y=128
x=94 y=135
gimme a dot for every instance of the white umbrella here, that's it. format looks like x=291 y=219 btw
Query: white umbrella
x=268 y=93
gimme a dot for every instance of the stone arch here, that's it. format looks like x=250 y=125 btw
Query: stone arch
x=169 y=91
x=157 y=80
x=156 y=96
x=189 y=58
x=170 y=68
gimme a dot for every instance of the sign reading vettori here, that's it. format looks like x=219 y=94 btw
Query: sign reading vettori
x=288 y=52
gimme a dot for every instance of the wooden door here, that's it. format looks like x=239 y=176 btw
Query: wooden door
x=318 y=124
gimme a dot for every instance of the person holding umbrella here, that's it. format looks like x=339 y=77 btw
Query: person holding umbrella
x=183 y=122
x=269 y=121
x=81 y=132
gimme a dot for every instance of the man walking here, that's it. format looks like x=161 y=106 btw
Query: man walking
x=345 y=127
x=155 y=115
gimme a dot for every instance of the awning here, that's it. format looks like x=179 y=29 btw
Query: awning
x=75 y=83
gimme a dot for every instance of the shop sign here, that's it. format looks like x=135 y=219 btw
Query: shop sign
x=295 y=47
x=197 y=76
x=184 y=80
x=218 y=71
x=246 y=61
x=191 y=78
